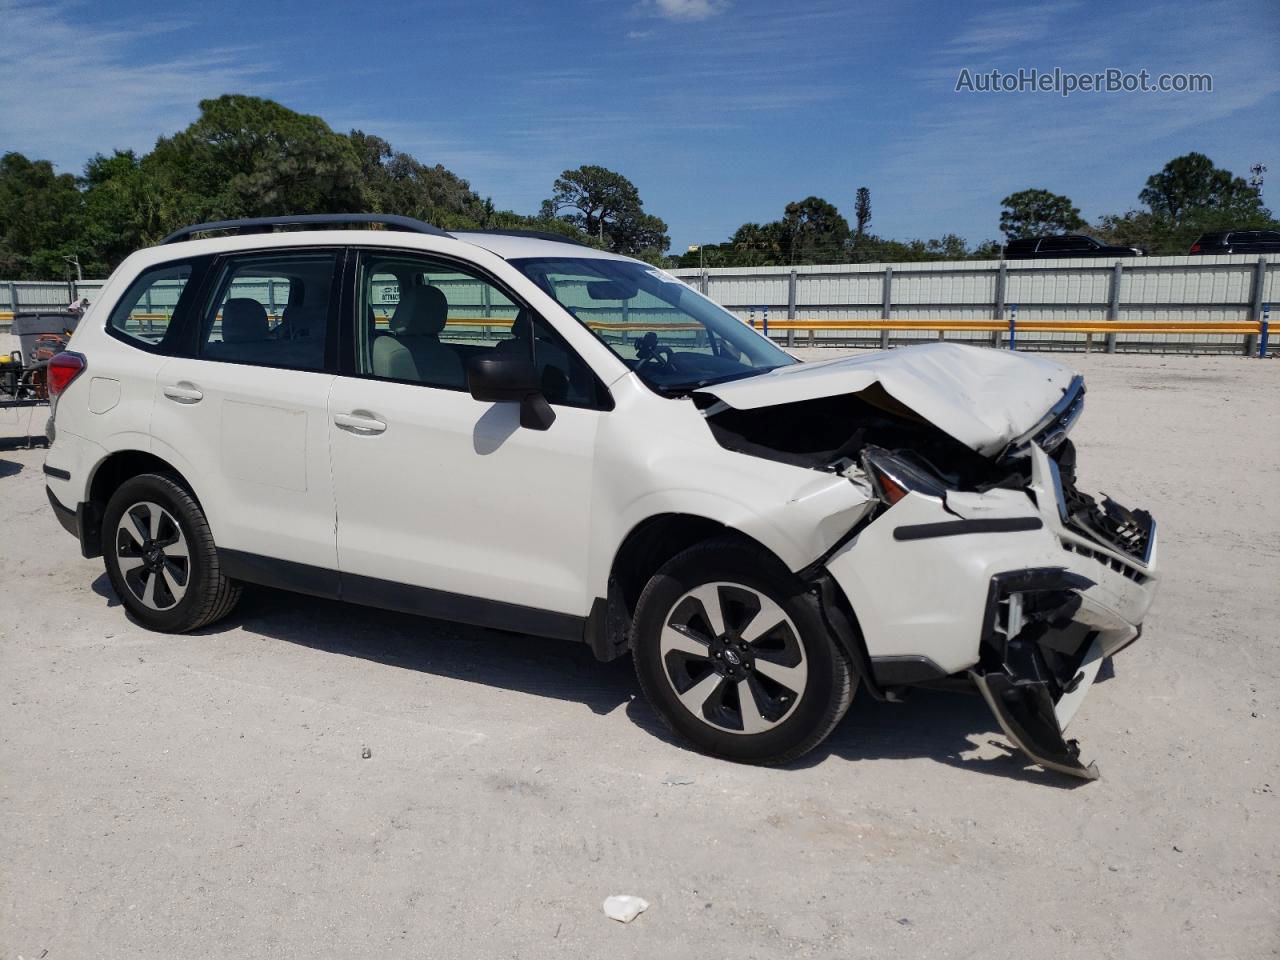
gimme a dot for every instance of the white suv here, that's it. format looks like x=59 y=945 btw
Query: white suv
x=521 y=432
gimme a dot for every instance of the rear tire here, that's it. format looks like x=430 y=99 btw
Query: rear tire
x=733 y=653
x=161 y=558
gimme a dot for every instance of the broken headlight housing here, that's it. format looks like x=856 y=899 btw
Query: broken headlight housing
x=1061 y=418
x=893 y=476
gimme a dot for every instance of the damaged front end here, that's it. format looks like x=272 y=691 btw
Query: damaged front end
x=1033 y=657
x=980 y=560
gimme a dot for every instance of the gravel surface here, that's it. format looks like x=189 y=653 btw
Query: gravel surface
x=311 y=779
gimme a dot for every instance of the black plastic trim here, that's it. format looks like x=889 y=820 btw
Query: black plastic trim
x=255 y=224
x=57 y=473
x=89 y=528
x=84 y=523
x=956 y=528
x=65 y=515
x=596 y=630
x=842 y=622
x=460 y=608
x=1031 y=579
x=1025 y=713
x=405 y=598
x=281 y=574
x=905 y=671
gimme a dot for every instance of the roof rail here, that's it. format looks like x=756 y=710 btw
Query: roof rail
x=531 y=234
x=257 y=224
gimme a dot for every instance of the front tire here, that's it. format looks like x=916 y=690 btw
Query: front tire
x=161 y=558
x=732 y=652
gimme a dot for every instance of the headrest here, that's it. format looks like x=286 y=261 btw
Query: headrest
x=421 y=312
x=244 y=320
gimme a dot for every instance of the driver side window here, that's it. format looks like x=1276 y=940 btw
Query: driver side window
x=422 y=321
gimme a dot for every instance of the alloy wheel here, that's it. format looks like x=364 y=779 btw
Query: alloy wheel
x=733 y=657
x=152 y=555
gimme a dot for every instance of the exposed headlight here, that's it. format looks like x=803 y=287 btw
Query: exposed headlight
x=1058 y=422
x=894 y=477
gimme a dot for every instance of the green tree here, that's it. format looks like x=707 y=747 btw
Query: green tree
x=1035 y=213
x=247 y=156
x=815 y=232
x=41 y=217
x=862 y=211
x=987 y=250
x=1188 y=197
x=606 y=206
x=759 y=245
x=124 y=210
x=395 y=182
x=1190 y=185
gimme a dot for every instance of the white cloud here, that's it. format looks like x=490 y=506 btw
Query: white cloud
x=687 y=10
x=67 y=91
x=989 y=33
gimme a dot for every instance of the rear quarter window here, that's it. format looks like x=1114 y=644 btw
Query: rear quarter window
x=145 y=315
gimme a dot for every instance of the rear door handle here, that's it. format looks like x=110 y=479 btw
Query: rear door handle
x=183 y=392
x=359 y=422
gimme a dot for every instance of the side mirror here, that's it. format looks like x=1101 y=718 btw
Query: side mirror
x=505 y=379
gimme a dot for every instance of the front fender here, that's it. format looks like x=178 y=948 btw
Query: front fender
x=798 y=525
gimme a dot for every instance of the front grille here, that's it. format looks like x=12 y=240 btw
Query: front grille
x=1119 y=566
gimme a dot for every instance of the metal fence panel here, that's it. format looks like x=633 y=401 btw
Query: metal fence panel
x=1158 y=289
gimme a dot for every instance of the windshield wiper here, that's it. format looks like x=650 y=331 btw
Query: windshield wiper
x=685 y=386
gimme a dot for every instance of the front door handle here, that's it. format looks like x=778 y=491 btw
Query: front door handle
x=183 y=392
x=359 y=422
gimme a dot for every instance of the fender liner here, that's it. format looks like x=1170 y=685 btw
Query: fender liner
x=842 y=623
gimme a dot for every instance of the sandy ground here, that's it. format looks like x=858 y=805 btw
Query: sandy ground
x=205 y=796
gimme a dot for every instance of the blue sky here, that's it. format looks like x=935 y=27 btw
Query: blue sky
x=721 y=111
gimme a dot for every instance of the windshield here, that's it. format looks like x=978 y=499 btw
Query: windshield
x=672 y=337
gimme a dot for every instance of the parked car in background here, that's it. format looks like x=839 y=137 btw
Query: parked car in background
x=531 y=435
x=1238 y=241
x=1071 y=245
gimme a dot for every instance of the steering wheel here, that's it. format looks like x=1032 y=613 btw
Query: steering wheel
x=648 y=350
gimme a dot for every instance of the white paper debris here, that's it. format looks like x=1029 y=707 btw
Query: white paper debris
x=624 y=908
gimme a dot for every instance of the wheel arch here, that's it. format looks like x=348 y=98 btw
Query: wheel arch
x=656 y=539
x=648 y=545
x=108 y=475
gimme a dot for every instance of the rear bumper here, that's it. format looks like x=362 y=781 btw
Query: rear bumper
x=64 y=515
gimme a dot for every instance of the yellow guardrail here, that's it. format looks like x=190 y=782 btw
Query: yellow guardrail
x=1009 y=328
x=950 y=326
x=1029 y=326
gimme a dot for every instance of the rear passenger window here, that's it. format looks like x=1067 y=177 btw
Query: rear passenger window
x=271 y=310
x=146 y=310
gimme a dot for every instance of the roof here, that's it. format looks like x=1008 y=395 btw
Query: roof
x=511 y=246
x=508 y=244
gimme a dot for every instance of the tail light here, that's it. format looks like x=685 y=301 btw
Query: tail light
x=63 y=368
x=1195 y=248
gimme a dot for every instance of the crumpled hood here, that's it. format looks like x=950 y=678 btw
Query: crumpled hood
x=982 y=397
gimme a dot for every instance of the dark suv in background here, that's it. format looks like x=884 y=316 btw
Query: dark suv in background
x=1238 y=241
x=1071 y=245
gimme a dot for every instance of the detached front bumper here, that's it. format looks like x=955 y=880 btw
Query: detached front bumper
x=1004 y=588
